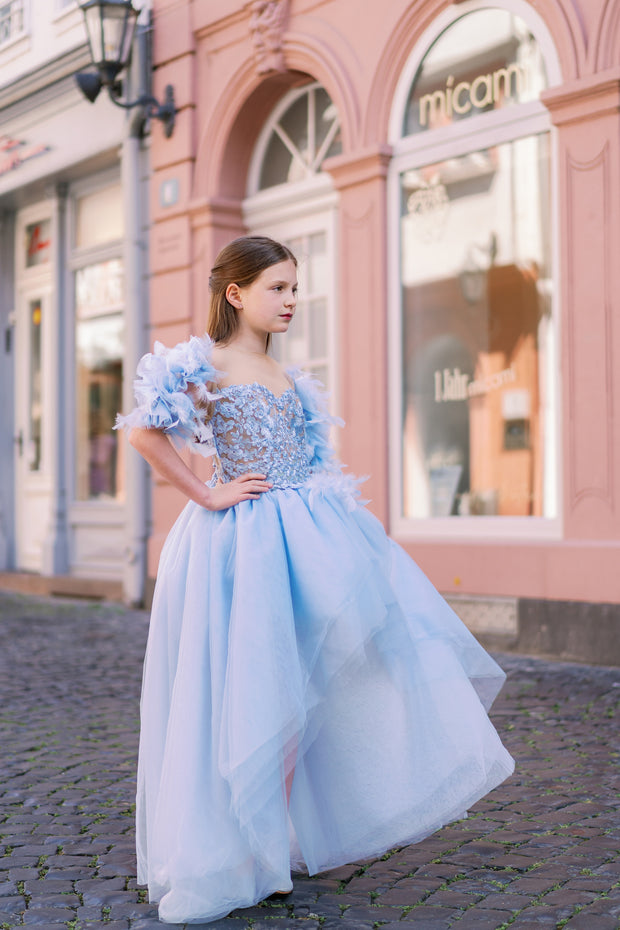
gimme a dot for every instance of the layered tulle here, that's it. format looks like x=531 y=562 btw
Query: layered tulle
x=290 y=635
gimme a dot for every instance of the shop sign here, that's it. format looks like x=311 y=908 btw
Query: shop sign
x=38 y=243
x=440 y=106
x=14 y=152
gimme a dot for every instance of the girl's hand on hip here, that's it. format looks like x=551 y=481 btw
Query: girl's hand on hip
x=244 y=488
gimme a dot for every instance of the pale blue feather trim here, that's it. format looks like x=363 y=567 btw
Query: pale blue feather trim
x=345 y=485
x=169 y=385
x=326 y=471
x=319 y=421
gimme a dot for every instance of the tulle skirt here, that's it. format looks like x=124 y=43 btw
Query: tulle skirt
x=292 y=641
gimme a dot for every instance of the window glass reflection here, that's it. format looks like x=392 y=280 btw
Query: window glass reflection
x=99 y=375
x=36 y=386
x=478 y=334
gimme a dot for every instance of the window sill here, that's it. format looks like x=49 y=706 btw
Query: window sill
x=476 y=529
x=14 y=47
x=67 y=18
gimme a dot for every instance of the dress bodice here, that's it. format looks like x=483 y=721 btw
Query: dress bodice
x=256 y=430
x=246 y=427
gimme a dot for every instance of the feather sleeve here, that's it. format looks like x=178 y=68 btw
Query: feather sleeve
x=170 y=388
x=318 y=421
x=327 y=471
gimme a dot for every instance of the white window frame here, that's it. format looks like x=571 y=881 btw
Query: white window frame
x=18 y=37
x=426 y=148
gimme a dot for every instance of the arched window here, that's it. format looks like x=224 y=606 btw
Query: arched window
x=292 y=199
x=474 y=434
x=301 y=133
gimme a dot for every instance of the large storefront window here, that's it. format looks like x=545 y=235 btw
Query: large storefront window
x=477 y=432
x=99 y=330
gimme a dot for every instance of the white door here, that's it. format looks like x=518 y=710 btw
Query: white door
x=33 y=371
x=32 y=440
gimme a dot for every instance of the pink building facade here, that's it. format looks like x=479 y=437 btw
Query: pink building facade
x=448 y=174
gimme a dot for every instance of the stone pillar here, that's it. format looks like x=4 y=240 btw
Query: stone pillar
x=170 y=247
x=55 y=556
x=7 y=386
x=362 y=308
x=586 y=113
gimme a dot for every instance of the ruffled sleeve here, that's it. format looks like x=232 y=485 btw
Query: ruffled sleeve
x=170 y=388
x=327 y=471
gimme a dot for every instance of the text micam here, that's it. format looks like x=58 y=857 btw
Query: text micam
x=484 y=90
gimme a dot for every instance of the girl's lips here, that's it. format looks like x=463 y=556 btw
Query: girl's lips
x=286 y=316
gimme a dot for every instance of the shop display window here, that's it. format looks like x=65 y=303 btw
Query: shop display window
x=99 y=333
x=477 y=434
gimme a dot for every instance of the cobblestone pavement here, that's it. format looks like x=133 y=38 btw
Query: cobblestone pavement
x=540 y=851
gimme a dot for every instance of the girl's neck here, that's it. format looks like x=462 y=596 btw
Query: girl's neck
x=249 y=343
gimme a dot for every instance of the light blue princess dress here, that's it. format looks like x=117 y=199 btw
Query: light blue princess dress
x=289 y=634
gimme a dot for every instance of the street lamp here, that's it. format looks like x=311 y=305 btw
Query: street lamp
x=110 y=27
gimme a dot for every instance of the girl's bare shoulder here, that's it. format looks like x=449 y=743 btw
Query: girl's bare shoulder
x=219 y=354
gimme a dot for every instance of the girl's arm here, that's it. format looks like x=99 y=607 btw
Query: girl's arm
x=159 y=452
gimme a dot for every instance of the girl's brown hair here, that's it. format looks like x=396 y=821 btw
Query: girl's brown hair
x=240 y=262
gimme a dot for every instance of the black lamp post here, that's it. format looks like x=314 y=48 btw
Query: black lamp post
x=110 y=27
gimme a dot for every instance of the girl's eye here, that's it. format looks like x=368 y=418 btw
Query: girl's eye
x=278 y=287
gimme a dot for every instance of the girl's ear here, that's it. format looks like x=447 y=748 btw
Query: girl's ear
x=233 y=296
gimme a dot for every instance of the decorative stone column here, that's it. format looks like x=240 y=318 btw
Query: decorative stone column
x=7 y=376
x=586 y=113
x=362 y=307
x=55 y=557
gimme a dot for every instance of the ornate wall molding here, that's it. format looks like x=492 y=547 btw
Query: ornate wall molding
x=267 y=22
x=606 y=38
x=584 y=99
x=589 y=328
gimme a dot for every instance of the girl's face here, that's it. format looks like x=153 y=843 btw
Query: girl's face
x=268 y=304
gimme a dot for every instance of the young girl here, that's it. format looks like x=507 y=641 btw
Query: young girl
x=309 y=699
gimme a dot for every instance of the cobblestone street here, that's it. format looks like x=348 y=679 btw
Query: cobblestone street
x=541 y=851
